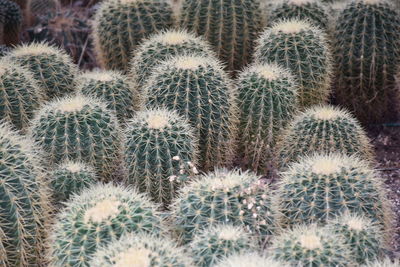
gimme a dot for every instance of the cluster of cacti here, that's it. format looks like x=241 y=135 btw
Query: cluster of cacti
x=20 y=95
x=198 y=88
x=267 y=96
x=302 y=48
x=113 y=88
x=367 y=55
x=249 y=259
x=79 y=129
x=98 y=216
x=50 y=66
x=119 y=26
x=10 y=22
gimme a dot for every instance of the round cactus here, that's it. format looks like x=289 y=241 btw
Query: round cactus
x=19 y=94
x=51 y=67
x=367 y=54
x=70 y=178
x=142 y=250
x=119 y=26
x=212 y=244
x=10 y=22
x=230 y=26
x=112 y=88
x=323 y=129
x=24 y=201
x=387 y=262
x=99 y=215
x=249 y=259
x=267 y=102
x=309 y=245
x=162 y=46
x=79 y=129
x=224 y=197
x=302 y=48
x=198 y=88
x=361 y=234
x=154 y=139
x=321 y=187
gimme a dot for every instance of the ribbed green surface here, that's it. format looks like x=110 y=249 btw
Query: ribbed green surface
x=10 y=22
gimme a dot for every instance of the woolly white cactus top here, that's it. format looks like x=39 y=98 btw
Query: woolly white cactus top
x=249 y=259
x=293 y=26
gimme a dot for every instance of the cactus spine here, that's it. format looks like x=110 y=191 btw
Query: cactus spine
x=249 y=259
x=387 y=262
x=120 y=25
x=10 y=22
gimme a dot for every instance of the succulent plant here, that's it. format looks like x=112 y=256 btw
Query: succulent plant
x=24 y=201
x=367 y=54
x=212 y=244
x=198 y=89
x=230 y=26
x=20 y=95
x=50 y=66
x=36 y=8
x=119 y=27
x=10 y=22
x=386 y=262
x=99 y=215
x=4 y=50
x=234 y=197
x=323 y=129
x=302 y=48
x=267 y=102
x=249 y=259
x=113 y=88
x=79 y=129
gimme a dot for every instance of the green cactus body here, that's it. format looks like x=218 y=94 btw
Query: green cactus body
x=309 y=245
x=70 y=178
x=114 y=89
x=198 y=89
x=249 y=259
x=142 y=250
x=79 y=129
x=361 y=234
x=224 y=197
x=387 y=262
x=267 y=102
x=230 y=26
x=302 y=48
x=19 y=95
x=120 y=25
x=320 y=187
x=162 y=46
x=96 y=217
x=24 y=201
x=4 y=50
x=367 y=54
x=155 y=139
x=323 y=129
x=51 y=67
x=212 y=244
x=10 y=22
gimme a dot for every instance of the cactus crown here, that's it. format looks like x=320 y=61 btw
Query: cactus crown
x=294 y=26
x=249 y=259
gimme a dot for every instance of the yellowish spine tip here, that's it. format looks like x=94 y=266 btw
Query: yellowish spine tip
x=133 y=257
x=326 y=165
x=190 y=63
x=300 y=2
x=157 y=121
x=310 y=241
x=292 y=26
x=174 y=38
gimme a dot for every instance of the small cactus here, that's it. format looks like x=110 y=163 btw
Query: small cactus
x=10 y=22
x=224 y=197
x=155 y=141
x=99 y=215
x=267 y=102
x=112 y=88
x=302 y=48
x=79 y=129
x=212 y=244
x=50 y=66
x=323 y=129
x=249 y=259
x=198 y=89
x=119 y=26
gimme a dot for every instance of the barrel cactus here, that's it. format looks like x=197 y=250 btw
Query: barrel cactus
x=387 y=262
x=333 y=130
x=249 y=259
x=212 y=244
x=20 y=95
x=79 y=129
x=120 y=25
x=155 y=140
x=10 y=22
x=162 y=46
x=198 y=89
x=51 y=67
x=112 y=88
x=302 y=48
x=223 y=196
x=24 y=201
x=267 y=102
x=320 y=187
x=99 y=215
x=309 y=245
x=367 y=54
